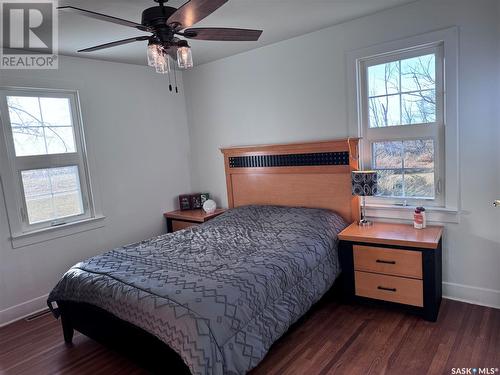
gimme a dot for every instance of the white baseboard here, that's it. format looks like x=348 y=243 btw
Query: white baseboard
x=23 y=310
x=471 y=294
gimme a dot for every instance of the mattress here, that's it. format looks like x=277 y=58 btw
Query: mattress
x=219 y=294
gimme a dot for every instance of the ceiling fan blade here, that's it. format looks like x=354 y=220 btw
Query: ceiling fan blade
x=194 y=11
x=114 y=44
x=103 y=17
x=222 y=33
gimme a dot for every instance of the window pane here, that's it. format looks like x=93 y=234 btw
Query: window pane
x=40 y=209
x=402 y=92
x=52 y=193
x=419 y=154
x=68 y=204
x=390 y=183
x=34 y=132
x=387 y=155
x=29 y=141
x=418 y=73
x=383 y=79
x=24 y=111
x=419 y=184
x=405 y=168
x=36 y=182
x=384 y=111
x=60 y=139
x=418 y=107
x=64 y=179
x=56 y=111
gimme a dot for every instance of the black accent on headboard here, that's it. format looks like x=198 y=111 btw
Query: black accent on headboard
x=290 y=160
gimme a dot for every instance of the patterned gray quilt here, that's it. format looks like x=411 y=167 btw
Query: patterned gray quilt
x=219 y=294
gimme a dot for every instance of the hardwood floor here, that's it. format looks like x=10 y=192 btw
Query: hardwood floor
x=332 y=338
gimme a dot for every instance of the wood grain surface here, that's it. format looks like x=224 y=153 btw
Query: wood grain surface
x=332 y=338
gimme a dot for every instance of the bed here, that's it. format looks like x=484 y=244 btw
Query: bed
x=220 y=294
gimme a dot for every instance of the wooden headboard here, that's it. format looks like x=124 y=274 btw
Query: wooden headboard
x=316 y=174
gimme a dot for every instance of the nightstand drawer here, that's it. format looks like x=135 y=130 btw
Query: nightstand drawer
x=388 y=261
x=179 y=225
x=389 y=288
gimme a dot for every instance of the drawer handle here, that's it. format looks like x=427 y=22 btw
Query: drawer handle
x=386 y=261
x=388 y=289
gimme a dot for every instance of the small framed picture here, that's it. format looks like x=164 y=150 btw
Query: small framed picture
x=195 y=201
x=184 y=202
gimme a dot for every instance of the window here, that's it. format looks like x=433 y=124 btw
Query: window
x=401 y=100
x=48 y=183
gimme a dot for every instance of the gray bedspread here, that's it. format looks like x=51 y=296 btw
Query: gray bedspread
x=219 y=294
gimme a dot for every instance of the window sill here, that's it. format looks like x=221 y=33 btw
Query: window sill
x=47 y=234
x=405 y=213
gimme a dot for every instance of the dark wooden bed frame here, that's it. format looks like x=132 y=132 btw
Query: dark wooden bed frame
x=313 y=174
x=135 y=343
x=138 y=345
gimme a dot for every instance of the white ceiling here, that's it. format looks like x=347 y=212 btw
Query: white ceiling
x=280 y=20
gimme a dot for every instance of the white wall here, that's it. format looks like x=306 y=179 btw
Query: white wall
x=296 y=91
x=138 y=147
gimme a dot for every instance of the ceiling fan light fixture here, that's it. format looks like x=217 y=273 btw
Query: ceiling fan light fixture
x=154 y=52
x=164 y=23
x=184 y=57
x=163 y=65
x=158 y=57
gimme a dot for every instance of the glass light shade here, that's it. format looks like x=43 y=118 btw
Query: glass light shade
x=184 y=57
x=154 y=51
x=163 y=64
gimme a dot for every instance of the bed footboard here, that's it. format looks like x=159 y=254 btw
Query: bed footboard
x=135 y=343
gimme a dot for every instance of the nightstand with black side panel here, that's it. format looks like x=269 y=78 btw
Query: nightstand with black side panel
x=393 y=265
x=182 y=219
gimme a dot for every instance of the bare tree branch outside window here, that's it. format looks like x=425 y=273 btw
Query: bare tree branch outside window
x=403 y=93
x=27 y=128
x=41 y=126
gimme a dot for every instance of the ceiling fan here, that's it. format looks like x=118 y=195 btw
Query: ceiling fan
x=165 y=23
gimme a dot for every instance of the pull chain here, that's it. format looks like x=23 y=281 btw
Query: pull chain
x=169 y=80
x=175 y=78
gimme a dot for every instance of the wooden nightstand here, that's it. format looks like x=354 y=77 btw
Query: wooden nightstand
x=177 y=220
x=393 y=264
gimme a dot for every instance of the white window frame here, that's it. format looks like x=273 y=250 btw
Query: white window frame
x=447 y=208
x=12 y=165
x=432 y=131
